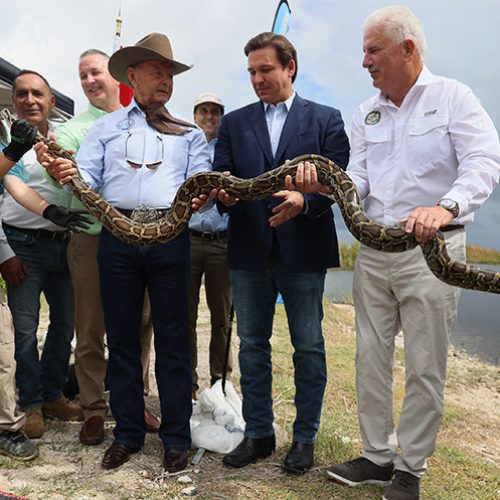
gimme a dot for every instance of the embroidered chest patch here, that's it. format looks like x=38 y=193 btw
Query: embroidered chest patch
x=372 y=118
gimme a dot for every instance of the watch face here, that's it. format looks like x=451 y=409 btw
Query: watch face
x=450 y=205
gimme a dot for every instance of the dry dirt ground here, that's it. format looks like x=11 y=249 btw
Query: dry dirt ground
x=68 y=470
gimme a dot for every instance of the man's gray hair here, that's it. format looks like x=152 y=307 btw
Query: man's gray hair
x=93 y=52
x=398 y=23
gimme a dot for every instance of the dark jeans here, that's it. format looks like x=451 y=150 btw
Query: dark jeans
x=125 y=272
x=254 y=295
x=41 y=379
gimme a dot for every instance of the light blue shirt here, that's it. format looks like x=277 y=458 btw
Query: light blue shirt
x=125 y=135
x=275 y=118
x=209 y=220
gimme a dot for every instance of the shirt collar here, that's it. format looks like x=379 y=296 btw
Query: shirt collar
x=96 y=112
x=288 y=103
x=424 y=78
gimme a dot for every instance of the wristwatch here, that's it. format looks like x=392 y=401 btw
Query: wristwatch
x=450 y=205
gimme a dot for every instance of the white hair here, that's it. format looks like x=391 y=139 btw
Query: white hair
x=398 y=23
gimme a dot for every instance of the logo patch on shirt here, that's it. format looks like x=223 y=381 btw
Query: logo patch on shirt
x=125 y=124
x=430 y=113
x=372 y=118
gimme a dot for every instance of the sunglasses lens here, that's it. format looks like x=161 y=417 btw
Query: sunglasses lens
x=153 y=166
x=137 y=166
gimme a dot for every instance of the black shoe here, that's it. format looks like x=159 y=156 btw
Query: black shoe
x=249 y=450
x=404 y=486
x=300 y=458
x=175 y=460
x=17 y=445
x=116 y=455
x=361 y=471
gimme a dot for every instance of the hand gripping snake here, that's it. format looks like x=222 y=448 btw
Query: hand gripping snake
x=370 y=233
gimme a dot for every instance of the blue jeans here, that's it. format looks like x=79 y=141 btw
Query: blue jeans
x=125 y=271
x=254 y=295
x=41 y=379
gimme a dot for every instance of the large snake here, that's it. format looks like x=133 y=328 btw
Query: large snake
x=368 y=232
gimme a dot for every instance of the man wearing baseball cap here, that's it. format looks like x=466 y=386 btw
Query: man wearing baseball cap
x=209 y=257
x=138 y=157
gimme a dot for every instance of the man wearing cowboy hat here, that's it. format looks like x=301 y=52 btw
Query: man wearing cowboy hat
x=138 y=157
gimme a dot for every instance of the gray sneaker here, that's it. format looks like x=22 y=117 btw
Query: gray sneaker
x=17 y=445
x=361 y=471
x=404 y=486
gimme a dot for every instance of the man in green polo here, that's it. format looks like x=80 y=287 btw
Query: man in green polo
x=102 y=91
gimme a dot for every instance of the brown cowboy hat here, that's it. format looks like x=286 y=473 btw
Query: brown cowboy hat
x=153 y=47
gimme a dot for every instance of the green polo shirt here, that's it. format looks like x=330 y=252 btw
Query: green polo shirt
x=70 y=135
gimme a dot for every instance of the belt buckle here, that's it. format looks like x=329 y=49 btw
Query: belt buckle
x=145 y=215
x=207 y=235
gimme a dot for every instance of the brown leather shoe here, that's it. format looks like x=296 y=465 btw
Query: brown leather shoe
x=152 y=422
x=34 y=425
x=92 y=431
x=62 y=409
x=175 y=460
x=116 y=455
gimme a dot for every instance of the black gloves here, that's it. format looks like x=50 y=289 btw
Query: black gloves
x=71 y=219
x=22 y=136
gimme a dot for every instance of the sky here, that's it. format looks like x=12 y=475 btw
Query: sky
x=463 y=38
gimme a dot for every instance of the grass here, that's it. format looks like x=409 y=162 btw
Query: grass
x=456 y=470
x=481 y=255
x=475 y=254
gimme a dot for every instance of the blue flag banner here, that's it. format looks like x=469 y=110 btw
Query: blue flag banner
x=282 y=18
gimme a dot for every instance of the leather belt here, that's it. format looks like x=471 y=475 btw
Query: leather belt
x=207 y=235
x=40 y=233
x=451 y=227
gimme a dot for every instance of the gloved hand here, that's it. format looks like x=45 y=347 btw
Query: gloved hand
x=22 y=138
x=75 y=220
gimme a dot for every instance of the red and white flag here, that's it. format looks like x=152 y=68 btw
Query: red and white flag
x=126 y=93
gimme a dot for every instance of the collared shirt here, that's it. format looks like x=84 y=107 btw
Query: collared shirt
x=125 y=133
x=440 y=143
x=19 y=171
x=275 y=118
x=70 y=135
x=209 y=220
x=14 y=214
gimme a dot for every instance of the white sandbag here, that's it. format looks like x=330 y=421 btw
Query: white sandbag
x=217 y=423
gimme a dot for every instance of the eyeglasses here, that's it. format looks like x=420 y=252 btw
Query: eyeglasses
x=135 y=165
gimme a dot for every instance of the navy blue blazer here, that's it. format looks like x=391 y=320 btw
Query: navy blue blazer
x=307 y=242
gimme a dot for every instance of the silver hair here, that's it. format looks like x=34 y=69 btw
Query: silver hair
x=398 y=23
x=93 y=52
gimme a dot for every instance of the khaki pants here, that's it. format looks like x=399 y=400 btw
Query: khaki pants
x=394 y=292
x=90 y=360
x=11 y=418
x=209 y=258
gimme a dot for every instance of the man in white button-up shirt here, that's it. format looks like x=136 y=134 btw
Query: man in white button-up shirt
x=423 y=151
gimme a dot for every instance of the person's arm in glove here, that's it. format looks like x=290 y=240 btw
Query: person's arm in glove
x=22 y=139
x=31 y=200
x=76 y=220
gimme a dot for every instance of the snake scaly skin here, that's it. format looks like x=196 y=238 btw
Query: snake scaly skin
x=368 y=232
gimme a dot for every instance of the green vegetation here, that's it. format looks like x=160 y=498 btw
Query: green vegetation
x=457 y=470
x=481 y=255
x=348 y=253
x=475 y=254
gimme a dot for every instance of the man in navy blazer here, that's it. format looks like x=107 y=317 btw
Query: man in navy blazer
x=282 y=244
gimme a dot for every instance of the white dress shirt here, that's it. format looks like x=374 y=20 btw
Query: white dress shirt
x=125 y=134
x=275 y=118
x=16 y=215
x=440 y=143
